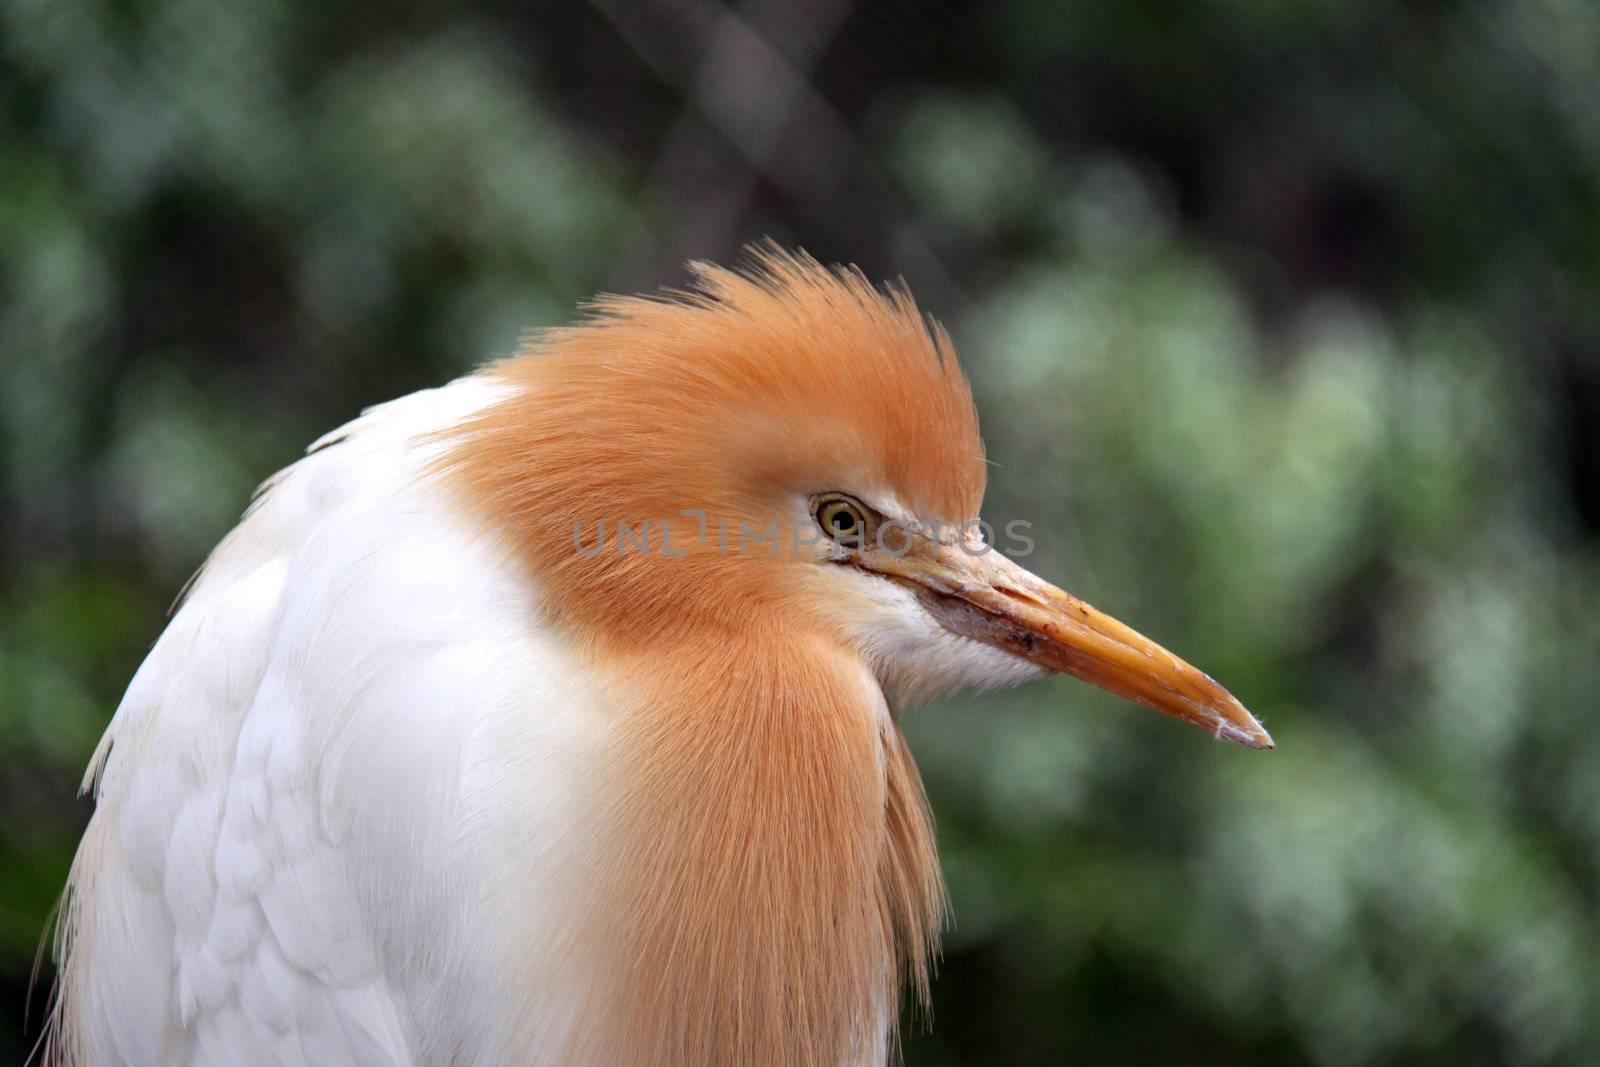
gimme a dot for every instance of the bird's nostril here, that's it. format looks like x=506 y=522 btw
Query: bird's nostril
x=1015 y=594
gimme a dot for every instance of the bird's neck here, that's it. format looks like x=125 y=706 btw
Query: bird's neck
x=773 y=878
x=760 y=876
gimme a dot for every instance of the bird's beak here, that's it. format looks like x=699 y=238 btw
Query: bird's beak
x=985 y=596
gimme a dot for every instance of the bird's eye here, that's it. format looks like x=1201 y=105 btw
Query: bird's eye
x=840 y=517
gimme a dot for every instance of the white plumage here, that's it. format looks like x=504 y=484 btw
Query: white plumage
x=326 y=777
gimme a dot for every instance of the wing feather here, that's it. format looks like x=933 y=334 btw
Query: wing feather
x=267 y=876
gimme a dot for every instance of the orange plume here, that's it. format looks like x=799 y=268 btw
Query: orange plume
x=777 y=879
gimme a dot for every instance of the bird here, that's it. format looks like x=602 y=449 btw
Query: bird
x=552 y=716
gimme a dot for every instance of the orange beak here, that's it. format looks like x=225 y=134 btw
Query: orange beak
x=985 y=596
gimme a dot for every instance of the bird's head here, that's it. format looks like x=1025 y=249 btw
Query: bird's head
x=788 y=453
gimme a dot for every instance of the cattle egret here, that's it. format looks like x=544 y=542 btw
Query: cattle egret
x=549 y=717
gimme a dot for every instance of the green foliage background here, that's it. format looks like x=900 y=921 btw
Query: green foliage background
x=1285 y=327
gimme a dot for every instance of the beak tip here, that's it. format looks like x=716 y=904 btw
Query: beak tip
x=1249 y=733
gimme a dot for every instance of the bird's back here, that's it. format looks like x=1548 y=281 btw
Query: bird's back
x=285 y=864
